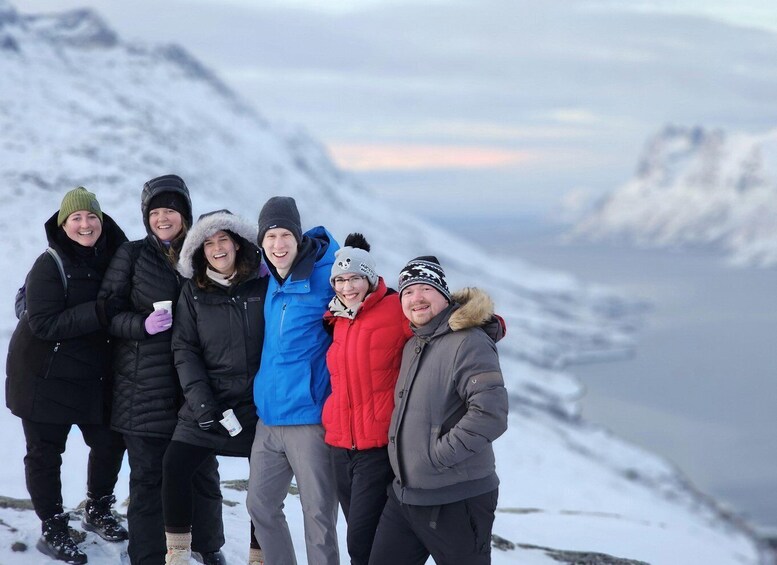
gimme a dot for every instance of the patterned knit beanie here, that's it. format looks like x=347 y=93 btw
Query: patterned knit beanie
x=78 y=199
x=354 y=257
x=424 y=270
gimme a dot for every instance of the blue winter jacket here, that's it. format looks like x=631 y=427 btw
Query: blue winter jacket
x=293 y=380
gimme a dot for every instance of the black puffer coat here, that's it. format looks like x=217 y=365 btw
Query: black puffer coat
x=146 y=392
x=58 y=363
x=217 y=342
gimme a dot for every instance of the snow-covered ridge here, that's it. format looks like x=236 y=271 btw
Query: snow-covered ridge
x=77 y=28
x=697 y=187
x=108 y=114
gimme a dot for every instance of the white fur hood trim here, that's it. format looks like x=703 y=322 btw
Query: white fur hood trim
x=204 y=228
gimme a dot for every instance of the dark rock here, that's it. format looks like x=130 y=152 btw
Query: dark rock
x=501 y=544
x=15 y=503
x=238 y=484
x=19 y=546
x=583 y=557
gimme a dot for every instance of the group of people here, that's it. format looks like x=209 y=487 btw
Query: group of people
x=258 y=340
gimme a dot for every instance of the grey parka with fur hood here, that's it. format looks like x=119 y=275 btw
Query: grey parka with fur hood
x=450 y=404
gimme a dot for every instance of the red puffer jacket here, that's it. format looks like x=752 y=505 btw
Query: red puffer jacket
x=363 y=362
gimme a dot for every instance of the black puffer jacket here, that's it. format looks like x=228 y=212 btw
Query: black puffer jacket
x=217 y=340
x=217 y=343
x=58 y=363
x=146 y=392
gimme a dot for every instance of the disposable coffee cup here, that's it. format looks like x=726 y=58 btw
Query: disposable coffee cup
x=231 y=423
x=164 y=305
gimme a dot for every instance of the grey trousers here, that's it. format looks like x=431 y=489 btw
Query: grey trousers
x=278 y=453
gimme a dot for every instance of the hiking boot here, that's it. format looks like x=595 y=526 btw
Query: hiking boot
x=177 y=556
x=255 y=556
x=210 y=558
x=99 y=518
x=57 y=543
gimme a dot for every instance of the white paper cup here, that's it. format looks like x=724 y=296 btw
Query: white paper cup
x=164 y=305
x=231 y=423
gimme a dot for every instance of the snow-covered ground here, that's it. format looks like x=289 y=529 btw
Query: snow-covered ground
x=80 y=106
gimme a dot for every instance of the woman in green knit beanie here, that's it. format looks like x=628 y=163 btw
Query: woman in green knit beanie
x=59 y=372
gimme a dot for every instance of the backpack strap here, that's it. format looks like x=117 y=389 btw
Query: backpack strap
x=58 y=260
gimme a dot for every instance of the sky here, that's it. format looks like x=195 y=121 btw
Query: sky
x=488 y=108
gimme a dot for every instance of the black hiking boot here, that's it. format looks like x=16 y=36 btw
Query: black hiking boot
x=57 y=543
x=210 y=557
x=99 y=518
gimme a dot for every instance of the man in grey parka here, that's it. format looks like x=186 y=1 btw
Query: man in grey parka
x=450 y=404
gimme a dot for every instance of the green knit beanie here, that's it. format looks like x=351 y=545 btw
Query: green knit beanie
x=78 y=199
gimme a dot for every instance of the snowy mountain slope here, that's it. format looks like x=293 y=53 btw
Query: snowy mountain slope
x=697 y=187
x=111 y=115
x=80 y=106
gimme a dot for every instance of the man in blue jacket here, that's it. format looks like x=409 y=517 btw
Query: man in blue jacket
x=290 y=389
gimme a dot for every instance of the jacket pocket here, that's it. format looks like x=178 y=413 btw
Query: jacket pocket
x=50 y=363
x=434 y=440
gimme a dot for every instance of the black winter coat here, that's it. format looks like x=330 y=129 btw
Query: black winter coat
x=217 y=342
x=58 y=363
x=146 y=393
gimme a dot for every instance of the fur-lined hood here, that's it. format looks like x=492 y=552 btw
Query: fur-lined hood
x=476 y=309
x=206 y=226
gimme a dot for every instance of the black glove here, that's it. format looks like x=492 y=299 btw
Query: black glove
x=106 y=309
x=206 y=421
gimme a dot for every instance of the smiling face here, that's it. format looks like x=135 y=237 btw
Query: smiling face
x=221 y=251
x=351 y=289
x=421 y=303
x=280 y=249
x=83 y=227
x=165 y=223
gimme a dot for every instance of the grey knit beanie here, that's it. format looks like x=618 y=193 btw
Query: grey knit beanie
x=354 y=257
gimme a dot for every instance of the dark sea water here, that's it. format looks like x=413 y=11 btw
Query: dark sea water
x=702 y=387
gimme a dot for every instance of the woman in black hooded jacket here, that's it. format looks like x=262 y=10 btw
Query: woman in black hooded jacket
x=217 y=344
x=147 y=393
x=59 y=372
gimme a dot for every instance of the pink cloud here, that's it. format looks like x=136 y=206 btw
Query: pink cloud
x=373 y=157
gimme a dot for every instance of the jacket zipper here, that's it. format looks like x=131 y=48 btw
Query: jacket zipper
x=245 y=316
x=403 y=394
x=51 y=359
x=283 y=316
x=348 y=389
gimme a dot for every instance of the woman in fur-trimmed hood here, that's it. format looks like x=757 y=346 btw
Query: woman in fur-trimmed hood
x=192 y=262
x=217 y=346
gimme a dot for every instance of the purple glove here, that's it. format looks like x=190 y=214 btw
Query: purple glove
x=158 y=321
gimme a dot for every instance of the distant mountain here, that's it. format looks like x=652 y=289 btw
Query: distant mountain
x=79 y=105
x=697 y=187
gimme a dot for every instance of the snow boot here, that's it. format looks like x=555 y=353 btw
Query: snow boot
x=179 y=550
x=57 y=543
x=210 y=557
x=255 y=556
x=99 y=518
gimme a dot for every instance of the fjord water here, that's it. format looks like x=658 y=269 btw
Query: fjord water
x=701 y=389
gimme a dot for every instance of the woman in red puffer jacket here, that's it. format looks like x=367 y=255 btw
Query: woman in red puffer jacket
x=370 y=331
